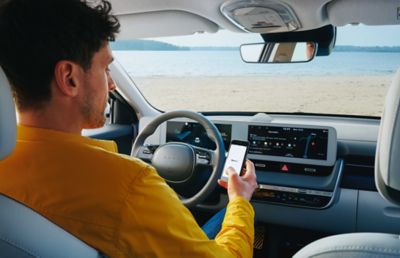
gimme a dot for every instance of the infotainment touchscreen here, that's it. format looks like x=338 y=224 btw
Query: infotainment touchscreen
x=194 y=133
x=289 y=142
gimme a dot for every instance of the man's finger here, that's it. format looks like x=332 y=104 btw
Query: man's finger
x=249 y=169
x=223 y=183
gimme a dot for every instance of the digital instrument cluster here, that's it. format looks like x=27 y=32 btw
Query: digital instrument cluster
x=194 y=133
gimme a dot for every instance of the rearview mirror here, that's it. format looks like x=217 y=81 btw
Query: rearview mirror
x=278 y=52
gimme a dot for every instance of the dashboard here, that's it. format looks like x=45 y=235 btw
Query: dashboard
x=337 y=197
x=281 y=152
x=328 y=176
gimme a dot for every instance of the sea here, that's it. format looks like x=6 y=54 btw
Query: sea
x=229 y=63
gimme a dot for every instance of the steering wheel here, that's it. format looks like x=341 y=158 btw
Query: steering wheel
x=176 y=162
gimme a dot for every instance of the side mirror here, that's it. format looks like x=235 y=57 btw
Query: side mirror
x=278 y=52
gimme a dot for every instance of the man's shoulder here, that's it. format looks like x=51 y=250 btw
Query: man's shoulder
x=118 y=161
x=131 y=161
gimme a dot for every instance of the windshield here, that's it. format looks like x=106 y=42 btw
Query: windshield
x=204 y=72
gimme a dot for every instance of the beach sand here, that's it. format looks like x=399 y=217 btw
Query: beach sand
x=349 y=94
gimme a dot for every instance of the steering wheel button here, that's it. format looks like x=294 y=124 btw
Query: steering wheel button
x=201 y=160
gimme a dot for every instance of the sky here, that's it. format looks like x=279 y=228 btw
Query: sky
x=348 y=35
x=369 y=35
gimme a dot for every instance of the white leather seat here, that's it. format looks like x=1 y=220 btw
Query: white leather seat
x=23 y=232
x=353 y=245
x=387 y=180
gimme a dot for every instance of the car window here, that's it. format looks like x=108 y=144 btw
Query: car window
x=204 y=72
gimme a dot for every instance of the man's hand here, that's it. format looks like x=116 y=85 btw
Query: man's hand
x=243 y=186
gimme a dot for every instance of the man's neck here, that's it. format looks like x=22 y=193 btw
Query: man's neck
x=50 y=119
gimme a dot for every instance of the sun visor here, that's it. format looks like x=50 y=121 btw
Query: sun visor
x=325 y=37
x=369 y=12
x=163 y=23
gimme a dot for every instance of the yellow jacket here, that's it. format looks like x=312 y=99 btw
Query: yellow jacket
x=113 y=202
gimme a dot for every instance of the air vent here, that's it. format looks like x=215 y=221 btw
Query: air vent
x=260 y=16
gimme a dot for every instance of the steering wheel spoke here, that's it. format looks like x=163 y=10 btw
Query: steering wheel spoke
x=146 y=152
x=204 y=157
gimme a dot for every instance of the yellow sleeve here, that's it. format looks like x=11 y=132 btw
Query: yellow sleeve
x=154 y=223
x=237 y=232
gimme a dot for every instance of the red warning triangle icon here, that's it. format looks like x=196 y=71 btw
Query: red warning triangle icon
x=284 y=168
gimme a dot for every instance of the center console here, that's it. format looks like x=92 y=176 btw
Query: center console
x=296 y=164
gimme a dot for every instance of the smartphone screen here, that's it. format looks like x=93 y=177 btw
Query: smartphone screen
x=236 y=157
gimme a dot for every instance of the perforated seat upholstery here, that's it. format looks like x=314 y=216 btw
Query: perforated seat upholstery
x=23 y=232
x=387 y=180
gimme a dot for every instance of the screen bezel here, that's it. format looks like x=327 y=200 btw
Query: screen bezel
x=331 y=146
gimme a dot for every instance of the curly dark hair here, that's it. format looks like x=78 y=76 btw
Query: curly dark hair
x=36 y=34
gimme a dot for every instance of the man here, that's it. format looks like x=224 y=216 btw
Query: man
x=310 y=49
x=56 y=56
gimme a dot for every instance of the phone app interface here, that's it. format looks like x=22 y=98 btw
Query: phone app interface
x=235 y=158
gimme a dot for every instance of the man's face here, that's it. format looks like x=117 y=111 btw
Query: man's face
x=310 y=50
x=97 y=84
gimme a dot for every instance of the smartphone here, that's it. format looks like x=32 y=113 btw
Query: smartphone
x=236 y=157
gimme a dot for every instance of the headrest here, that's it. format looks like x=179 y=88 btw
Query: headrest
x=387 y=160
x=8 y=124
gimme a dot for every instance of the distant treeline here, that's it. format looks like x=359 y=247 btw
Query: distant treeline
x=153 y=45
x=366 y=49
x=145 y=45
x=215 y=48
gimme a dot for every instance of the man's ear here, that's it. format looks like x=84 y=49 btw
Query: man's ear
x=68 y=76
